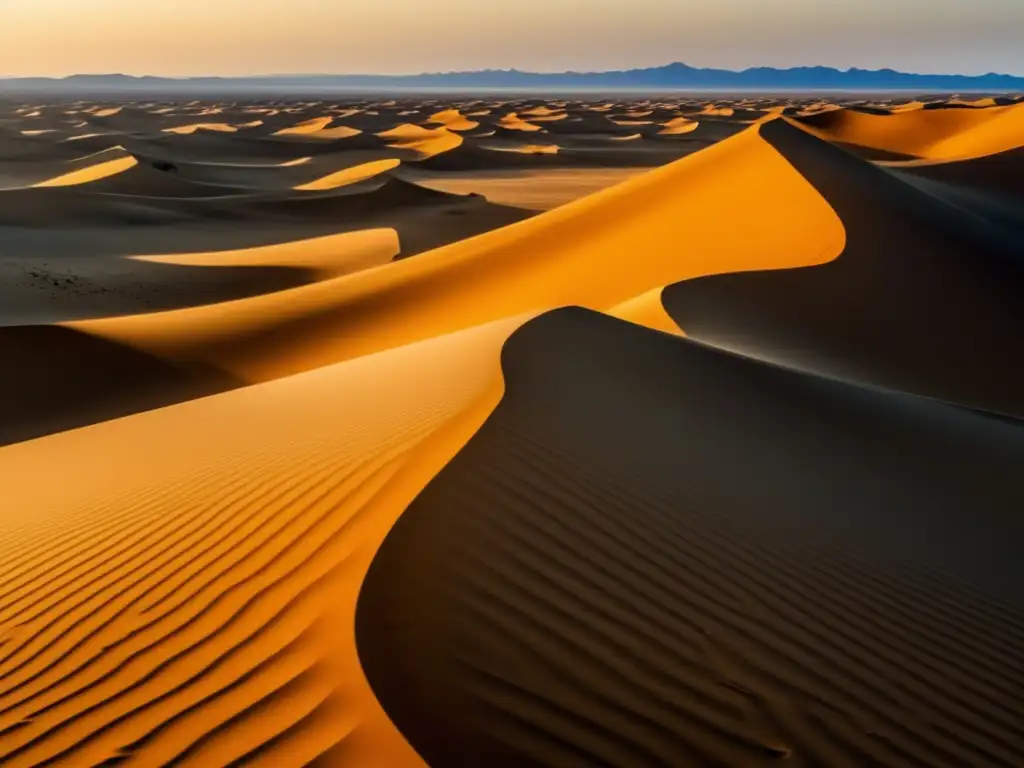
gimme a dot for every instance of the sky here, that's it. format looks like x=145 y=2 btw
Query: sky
x=243 y=37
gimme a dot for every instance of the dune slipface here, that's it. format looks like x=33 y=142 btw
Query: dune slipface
x=511 y=431
x=658 y=553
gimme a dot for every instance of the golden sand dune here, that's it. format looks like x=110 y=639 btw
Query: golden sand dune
x=311 y=126
x=350 y=175
x=678 y=126
x=526 y=149
x=709 y=463
x=522 y=189
x=92 y=168
x=453 y=120
x=513 y=122
x=648 y=310
x=193 y=128
x=327 y=257
x=426 y=142
x=933 y=134
x=517 y=269
x=205 y=608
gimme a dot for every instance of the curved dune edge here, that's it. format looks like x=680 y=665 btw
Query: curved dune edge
x=351 y=175
x=735 y=206
x=426 y=142
x=337 y=132
x=328 y=256
x=91 y=173
x=911 y=254
x=311 y=126
x=938 y=134
x=527 y=149
x=453 y=120
x=198 y=602
x=513 y=122
x=678 y=126
x=655 y=553
x=647 y=310
x=185 y=130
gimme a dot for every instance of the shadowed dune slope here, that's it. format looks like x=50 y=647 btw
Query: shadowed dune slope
x=185 y=594
x=655 y=553
x=1000 y=173
x=924 y=298
x=50 y=277
x=57 y=378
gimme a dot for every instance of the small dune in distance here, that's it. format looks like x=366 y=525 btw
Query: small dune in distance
x=496 y=430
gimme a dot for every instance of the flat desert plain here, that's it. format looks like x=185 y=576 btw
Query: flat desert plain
x=510 y=432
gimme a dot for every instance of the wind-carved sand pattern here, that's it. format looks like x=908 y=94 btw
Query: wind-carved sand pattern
x=511 y=432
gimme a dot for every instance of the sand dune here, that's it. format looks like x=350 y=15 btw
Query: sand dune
x=453 y=120
x=196 y=127
x=311 y=126
x=522 y=187
x=678 y=126
x=622 y=570
x=517 y=269
x=933 y=134
x=217 y=625
x=818 y=319
x=426 y=142
x=513 y=122
x=101 y=168
x=329 y=256
x=321 y=446
x=350 y=175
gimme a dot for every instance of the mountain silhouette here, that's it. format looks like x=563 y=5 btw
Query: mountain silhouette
x=676 y=76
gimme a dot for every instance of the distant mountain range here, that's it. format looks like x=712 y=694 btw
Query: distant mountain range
x=676 y=76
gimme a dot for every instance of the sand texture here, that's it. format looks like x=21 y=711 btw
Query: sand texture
x=511 y=432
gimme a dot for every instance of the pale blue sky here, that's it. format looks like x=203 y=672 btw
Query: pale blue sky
x=231 y=37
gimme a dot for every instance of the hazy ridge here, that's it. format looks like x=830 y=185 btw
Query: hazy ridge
x=670 y=76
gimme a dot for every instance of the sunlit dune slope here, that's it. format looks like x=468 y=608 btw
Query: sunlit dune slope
x=426 y=142
x=351 y=175
x=93 y=168
x=453 y=120
x=196 y=127
x=648 y=310
x=311 y=126
x=186 y=592
x=934 y=134
x=328 y=256
x=513 y=122
x=736 y=206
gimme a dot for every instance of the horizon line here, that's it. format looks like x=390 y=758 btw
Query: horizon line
x=508 y=70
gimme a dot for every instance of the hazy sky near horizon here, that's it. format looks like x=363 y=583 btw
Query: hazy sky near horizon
x=237 y=37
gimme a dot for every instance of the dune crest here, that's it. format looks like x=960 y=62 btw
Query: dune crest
x=328 y=256
x=91 y=173
x=571 y=255
x=348 y=176
x=933 y=134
